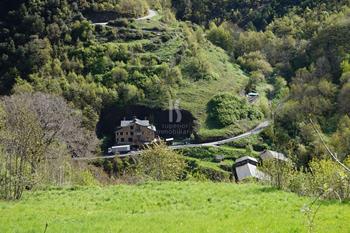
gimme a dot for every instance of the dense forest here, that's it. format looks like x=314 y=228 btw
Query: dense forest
x=301 y=48
x=295 y=54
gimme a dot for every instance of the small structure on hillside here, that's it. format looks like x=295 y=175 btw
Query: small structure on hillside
x=269 y=154
x=246 y=167
x=253 y=94
x=135 y=133
x=219 y=158
x=252 y=97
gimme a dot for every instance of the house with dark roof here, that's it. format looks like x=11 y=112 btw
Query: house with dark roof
x=246 y=167
x=269 y=154
x=135 y=133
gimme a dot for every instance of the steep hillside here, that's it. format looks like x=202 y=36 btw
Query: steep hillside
x=247 y=14
x=99 y=54
x=195 y=95
x=297 y=55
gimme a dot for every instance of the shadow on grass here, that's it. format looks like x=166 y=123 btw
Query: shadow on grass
x=266 y=190
x=334 y=202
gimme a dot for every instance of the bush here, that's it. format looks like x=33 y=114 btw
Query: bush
x=221 y=36
x=160 y=163
x=209 y=153
x=204 y=173
x=122 y=22
x=198 y=68
x=325 y=178
x=133 y=8
x=329 y=180
x=280 y=173
x=255 y=61
x=227 y=109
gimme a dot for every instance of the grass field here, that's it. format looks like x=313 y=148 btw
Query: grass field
x=168 y=207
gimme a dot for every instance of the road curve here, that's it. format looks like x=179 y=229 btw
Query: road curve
x=254 y=131
x=151 y=14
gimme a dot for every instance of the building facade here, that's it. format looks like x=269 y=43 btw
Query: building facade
x=135 y=133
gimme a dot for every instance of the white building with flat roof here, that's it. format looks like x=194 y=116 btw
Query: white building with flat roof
x=246 y=167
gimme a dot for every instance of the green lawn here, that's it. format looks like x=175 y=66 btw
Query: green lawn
x=168 y=207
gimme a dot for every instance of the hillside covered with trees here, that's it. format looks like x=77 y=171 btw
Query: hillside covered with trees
x=298 y=47
x=66 y=66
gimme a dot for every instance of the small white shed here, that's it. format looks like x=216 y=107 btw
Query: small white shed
x=269 y=154
x=247 y=167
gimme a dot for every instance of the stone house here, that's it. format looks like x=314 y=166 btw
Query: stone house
x=135 y=133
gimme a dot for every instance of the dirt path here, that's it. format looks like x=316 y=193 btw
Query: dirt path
x=151 y=14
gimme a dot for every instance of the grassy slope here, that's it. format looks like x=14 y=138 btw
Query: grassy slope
x=204 y=156
x=168 y=207
x=194 y=96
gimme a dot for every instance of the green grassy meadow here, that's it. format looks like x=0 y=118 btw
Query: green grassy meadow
x=168 y=207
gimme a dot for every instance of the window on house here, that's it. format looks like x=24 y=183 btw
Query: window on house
x=130 y=139
x=132 y=133
x=122 y=139
x=121 y=133
x=127 y=133
x=131 y=127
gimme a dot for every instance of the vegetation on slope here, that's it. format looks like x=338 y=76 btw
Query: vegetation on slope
x=247 y=14
x=126 y=62
x=298 y=56
x=295 y=54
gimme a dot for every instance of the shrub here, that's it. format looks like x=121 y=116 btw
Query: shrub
x=280 y=173
x=227 y=109
x=198 y=68
x=221 y=37
x=133 y=8
x=329 y=180
x=122 y=22
x=255 y=61
x=160 y=163
x=204 y=173
x=325 y=178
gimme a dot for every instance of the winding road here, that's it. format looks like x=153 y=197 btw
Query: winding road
x=250 y=133
x=151 y=14
x=255 y=131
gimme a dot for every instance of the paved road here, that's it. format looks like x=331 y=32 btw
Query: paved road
x=254 y=131
x=102 y=24
x=151 y=14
